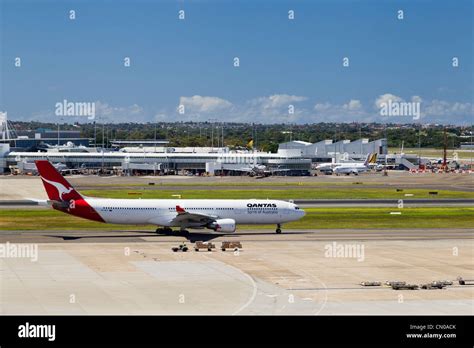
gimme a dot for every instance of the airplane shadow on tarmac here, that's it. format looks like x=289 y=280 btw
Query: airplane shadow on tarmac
x=190 y=236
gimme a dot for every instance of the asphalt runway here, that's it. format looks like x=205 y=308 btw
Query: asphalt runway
x=140 y=236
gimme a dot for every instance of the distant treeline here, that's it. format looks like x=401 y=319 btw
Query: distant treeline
x=266 y=137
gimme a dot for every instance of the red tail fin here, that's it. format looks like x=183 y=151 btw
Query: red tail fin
x=57 y=188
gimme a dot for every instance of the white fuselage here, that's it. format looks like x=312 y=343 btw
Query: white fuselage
x=351 y=167
x=162 y=211
x=358 y=165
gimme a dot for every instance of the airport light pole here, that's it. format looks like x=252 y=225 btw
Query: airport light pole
x=155 y=137
x=256 y=135
x=385 y=173
x=419 y=146
x=222 y=126
x=95 y=135
x=288 y=132
x=472 y=148
x=212 y=120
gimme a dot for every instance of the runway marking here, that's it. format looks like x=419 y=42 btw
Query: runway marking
x=325 y=292
x=254 y=285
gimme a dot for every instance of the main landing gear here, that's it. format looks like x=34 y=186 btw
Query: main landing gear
x=169 y=231
x=278 y=229
x=165 y=230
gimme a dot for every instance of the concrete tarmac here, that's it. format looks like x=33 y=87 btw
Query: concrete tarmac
x=297 y=272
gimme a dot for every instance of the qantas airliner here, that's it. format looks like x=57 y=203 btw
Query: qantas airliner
x=219 y=215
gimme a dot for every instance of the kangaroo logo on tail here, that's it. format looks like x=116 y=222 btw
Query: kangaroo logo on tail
x=62 y=190
x=57 y=188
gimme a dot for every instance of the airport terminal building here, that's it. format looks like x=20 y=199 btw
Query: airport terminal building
x=165 y=162
x=325 y=150
x=292 y=158
x=295 y=158
x=18 y=153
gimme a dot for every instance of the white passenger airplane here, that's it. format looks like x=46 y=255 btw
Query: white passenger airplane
x=351 y=167
x=259 y=170
x=220 y=215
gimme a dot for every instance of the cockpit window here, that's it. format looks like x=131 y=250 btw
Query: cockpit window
x=297 y=208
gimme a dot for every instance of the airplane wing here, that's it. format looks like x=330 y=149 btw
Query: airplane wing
x=276 y=170
x=185 y=218
x=50 y=203
x=243 y=169
x=41 y=202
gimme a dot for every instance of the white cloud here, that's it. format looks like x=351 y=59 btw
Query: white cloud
x=104 y=112
x=161 y=117
x=116 y=114
x=273 y=109
x=435 y=110
x=385 y=98
x=321 y=107
x=353 y=105
x=199 y=104
x=276 y=108
x=346 y=112
x=276 y=101
x=443 y=108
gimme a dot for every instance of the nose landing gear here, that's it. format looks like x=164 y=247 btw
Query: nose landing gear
x=278 y=229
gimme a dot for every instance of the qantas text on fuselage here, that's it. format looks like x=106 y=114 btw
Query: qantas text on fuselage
x=220 y=215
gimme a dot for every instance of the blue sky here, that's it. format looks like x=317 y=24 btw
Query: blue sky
x=282 y=62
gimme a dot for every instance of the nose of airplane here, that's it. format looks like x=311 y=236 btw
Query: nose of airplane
x=299 y=212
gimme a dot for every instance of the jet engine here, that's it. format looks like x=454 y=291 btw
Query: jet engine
x=223 y=225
